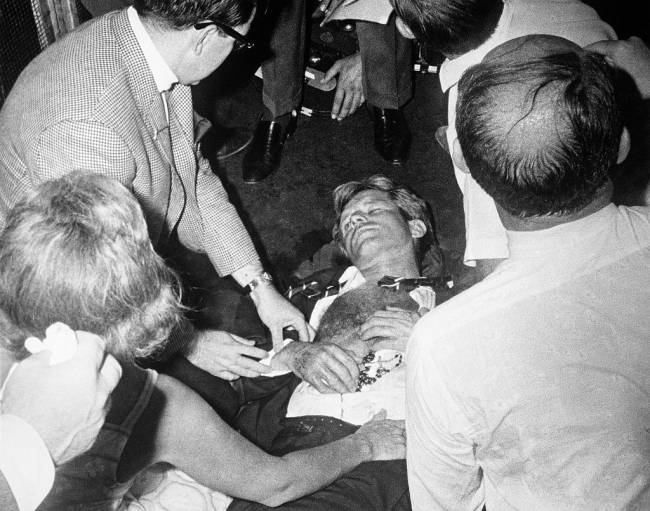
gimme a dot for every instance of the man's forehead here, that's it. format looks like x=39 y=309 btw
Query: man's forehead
x=367 y=197
x=526 y=48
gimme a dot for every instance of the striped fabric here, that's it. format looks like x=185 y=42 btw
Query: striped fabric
x=89 y=102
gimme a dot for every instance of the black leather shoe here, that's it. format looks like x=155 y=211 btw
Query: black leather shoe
x=264 y=152
x=392 y=135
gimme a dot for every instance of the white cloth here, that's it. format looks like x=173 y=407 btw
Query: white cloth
x=571 y=19
x=25 y=462
x=531 y=389
x=356 y=407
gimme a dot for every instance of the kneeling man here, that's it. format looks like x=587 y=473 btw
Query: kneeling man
x=530 y=389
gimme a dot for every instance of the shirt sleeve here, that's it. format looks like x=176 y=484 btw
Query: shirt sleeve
x=25 y=462
x=443 y=473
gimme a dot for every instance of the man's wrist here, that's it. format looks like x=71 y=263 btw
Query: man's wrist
x=246 y=273
x=259 y=280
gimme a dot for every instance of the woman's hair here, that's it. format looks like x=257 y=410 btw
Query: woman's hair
x=78 y=251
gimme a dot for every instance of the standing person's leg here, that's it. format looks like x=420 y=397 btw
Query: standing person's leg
x=283 y=74
x=387 y=83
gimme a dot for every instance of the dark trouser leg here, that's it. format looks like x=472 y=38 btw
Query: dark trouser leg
x=283 y=71
x=387 y=83
x=386 y=57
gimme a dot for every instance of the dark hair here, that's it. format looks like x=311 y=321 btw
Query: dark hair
x=540 y=135
x=185 y=13
x=450 y=26
x=78 y=252
x=409 y=204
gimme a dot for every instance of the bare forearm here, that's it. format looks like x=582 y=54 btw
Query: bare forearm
x=303 y=472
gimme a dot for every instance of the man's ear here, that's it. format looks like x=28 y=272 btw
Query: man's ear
x=458 y=158
x=624 y=146
x=403 y=29
x=203 y=36
x=418 y=228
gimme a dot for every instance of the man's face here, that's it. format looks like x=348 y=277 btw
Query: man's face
x=371 y=225
x=214 y=49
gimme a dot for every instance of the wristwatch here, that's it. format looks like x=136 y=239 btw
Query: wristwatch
x=262 y=278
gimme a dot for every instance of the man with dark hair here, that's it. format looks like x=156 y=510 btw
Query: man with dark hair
x=506 y=381
x=382 y=228
x=465 y=31
x=379 y=226
x=113 y=98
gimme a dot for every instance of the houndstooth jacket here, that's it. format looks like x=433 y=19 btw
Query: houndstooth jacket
x=89 y=102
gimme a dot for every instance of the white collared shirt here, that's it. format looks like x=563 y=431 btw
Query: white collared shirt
x=357 y=407
x=530 y=389
x=162 y=74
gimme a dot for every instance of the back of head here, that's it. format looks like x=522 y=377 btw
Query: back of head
x=185 y=13
x=539 y=125
x=410 y=205
x=78 y=251
x=452 y=27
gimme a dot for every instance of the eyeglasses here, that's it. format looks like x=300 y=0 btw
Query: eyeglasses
x=241 y=41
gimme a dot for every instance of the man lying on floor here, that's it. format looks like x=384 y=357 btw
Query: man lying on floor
x=382 y=228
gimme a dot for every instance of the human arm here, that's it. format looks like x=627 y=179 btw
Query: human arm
x=349 y=88
x=326 y=366
x=192 y=437
x=231 y=251
x=631 y=56
x=225 y=355
x=443 y=472
x=80 y=145
x=52 y=413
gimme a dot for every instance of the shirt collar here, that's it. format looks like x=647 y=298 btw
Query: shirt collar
x=452 y=70
x=162 y=74
x=353 y=278
x=556 y=240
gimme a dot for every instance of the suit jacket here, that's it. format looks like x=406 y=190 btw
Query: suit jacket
x=89 y=102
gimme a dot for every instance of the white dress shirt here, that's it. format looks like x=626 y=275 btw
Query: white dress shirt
x=530 y=390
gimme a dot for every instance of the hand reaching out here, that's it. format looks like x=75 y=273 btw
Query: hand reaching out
x=349 y=88
x=386 y=437
x=226 y=355
x=277 y=313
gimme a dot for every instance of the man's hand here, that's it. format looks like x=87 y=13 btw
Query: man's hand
x=389 y=329
x=66 y=403
x=386 y=437
x=226 y=355
x=277 y=313
x=349 y=89
x=632 y=56
x=327 y=367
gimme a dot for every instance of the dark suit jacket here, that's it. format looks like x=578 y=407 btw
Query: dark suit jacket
x=89 y=102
